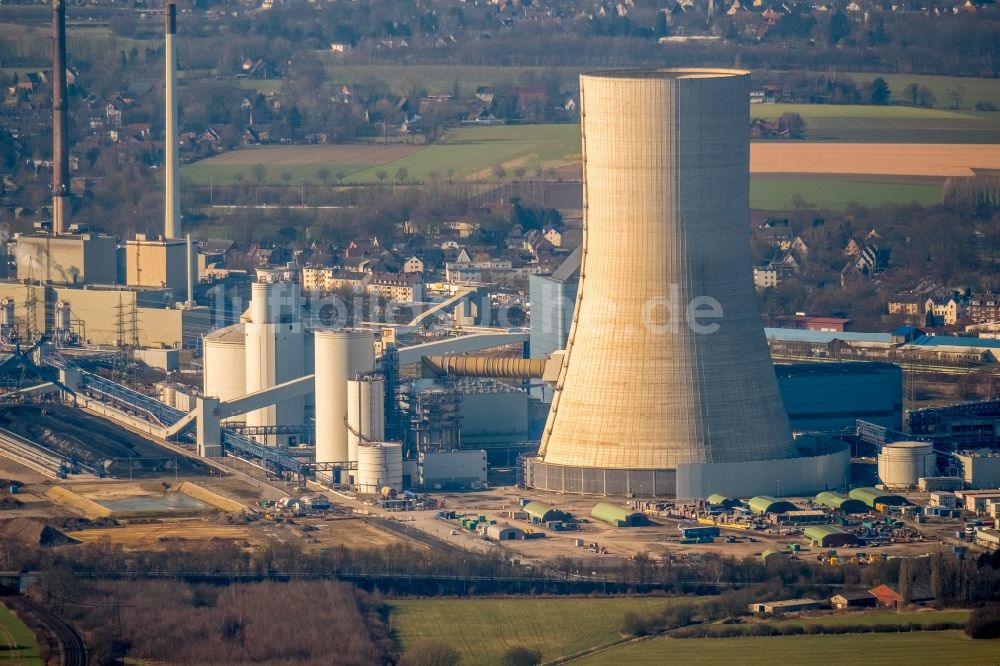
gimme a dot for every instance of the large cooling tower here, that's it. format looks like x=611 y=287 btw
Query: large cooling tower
x=666 y=362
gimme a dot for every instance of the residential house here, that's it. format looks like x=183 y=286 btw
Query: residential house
x=949 y=310
x=553 y=236
x=984 y=309
x=413 y=265
x=407 y=288
x=765 y=276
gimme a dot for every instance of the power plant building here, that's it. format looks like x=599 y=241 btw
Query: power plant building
x=552 y=300
x=667 y=387
x=830 y=397
x=69 y=259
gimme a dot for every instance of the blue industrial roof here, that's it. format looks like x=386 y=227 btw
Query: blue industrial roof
x=954 y=341
x=824 y=337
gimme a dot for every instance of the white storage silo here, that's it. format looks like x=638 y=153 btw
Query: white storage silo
x=365 y=412
x=274 y=351
x=225 y=364
x=63 y=317
x=901 y=464
x=379 y=465
x=340 y=355
x=7 y=312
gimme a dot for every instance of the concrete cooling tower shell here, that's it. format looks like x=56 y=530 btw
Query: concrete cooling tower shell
x=666 y=363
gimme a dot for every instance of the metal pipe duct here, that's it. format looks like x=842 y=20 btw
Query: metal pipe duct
x=484 y=366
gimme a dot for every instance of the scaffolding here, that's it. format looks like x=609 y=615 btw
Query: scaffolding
x=435 y=421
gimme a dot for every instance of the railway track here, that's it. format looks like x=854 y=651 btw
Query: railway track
x=70 y=645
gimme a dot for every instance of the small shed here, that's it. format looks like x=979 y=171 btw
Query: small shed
x=828 y=536
x=853 y=600
x=715 y=499
x=873 y=496
x=618 y=516
x=544 y=513
x=504 y=533
x=769 y=553
x=763 y=504
x=841 y=502
x=787 y=606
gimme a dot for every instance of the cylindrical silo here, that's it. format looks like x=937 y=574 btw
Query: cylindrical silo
x=901 y=464
x=274 y=352
x=7 y=312
x=225 y=364
x=63 y=317
x=380 y=464
x=365 y=412
x=340 y=355
x=666 y=362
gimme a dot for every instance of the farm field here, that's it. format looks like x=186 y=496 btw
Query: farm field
x=471 y=153
x=18 y=644
x=928 y=647
x=789 y=191
x=887 y=124
x=483 y=629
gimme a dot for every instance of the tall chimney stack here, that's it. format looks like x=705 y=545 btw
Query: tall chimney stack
x=60 y=127
x=172 y=204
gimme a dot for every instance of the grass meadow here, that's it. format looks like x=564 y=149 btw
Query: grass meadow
x=18 y=644
x=930 y=648
x=483 y=629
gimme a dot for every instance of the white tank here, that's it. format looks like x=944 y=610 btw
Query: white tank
x=275 y=350
x=379 y=465
x=340 y=355
x=365 y=412
x=901 y=464
x=225 y=364
x=63 y=316
x=7 y=312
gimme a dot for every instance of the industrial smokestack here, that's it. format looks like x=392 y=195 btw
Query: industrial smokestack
x=60 y=127
x=190 y=273
x=172 y=203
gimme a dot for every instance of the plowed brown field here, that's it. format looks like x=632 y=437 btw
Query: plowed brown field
x=884 y=159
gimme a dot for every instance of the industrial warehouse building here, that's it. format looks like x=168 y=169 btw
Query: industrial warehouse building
x=873 y=496
x=853 y=600
x=787 y=606
x=544 y=513
x=840 y=502
x=830 y=397
x=828 y=536
x=504 y=533
x=764 y=504
x=715 y=499
x=618 y=516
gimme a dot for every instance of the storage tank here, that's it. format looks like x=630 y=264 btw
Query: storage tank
x=340 y=355
x=225 y=365
x=365 y=412
x=7 y=312
x=63 y=317
x=380 y=464
x=901 y=464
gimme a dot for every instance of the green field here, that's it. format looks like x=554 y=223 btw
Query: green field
x=483 y=629
x=782 y=192
x=472 y=152
x=17 y=643
x=924 y=648
x=886 y=617
x=976 y=90
x=887 y=124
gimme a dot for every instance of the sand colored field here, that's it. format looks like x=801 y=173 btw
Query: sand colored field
x=351 y=533
x=157 y=536
x=274 y=157
x=87 y=507
x=885 y=159
x=212 y=499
